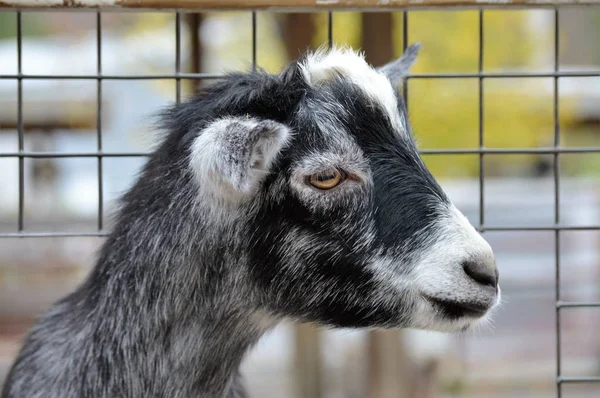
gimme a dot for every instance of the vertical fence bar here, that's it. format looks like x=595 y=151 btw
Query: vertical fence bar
x=557 y=203
x=21 y=134
x=99 y=116
x=254 y=40
x=194 y=22
x=178 y=56
x=481 y=128
x=404 y=46
x=330 y=29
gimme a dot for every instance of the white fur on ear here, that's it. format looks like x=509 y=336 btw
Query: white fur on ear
x=231 y=156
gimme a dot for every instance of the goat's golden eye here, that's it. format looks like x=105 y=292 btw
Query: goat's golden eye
x=326 y=179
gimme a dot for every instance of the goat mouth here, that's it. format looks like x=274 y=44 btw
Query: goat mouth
x=455 y=309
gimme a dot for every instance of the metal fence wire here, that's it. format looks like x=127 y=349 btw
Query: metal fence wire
x=556 y=150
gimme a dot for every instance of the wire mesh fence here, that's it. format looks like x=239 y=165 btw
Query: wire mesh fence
x=100 y=154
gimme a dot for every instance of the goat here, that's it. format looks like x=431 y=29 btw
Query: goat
x=298 y=196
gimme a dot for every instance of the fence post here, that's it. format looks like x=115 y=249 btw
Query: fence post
x=377 y=37
x=297 y=31
x=195 y=22
x=389 y=366
x=308 y=369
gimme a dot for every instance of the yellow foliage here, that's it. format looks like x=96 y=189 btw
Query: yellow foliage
x=445 y=114
x=150 y=21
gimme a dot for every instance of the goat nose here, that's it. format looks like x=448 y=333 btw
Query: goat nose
x=481 y=272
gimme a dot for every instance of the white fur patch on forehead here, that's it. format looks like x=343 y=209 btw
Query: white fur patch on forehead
x=325 y=65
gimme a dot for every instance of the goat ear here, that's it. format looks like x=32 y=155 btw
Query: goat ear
x=231 y=156
x=292 y=74
x=398 y=69
x=292 y=85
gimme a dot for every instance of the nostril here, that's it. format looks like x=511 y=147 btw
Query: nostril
x=481 y=273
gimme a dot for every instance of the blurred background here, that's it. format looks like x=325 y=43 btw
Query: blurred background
x=514 y=357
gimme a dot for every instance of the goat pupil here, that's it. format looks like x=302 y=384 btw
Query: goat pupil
x=326 y=177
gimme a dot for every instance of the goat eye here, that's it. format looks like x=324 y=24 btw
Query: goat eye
x=327 y=179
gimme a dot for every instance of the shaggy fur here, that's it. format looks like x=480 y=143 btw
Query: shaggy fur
x=222 y=237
